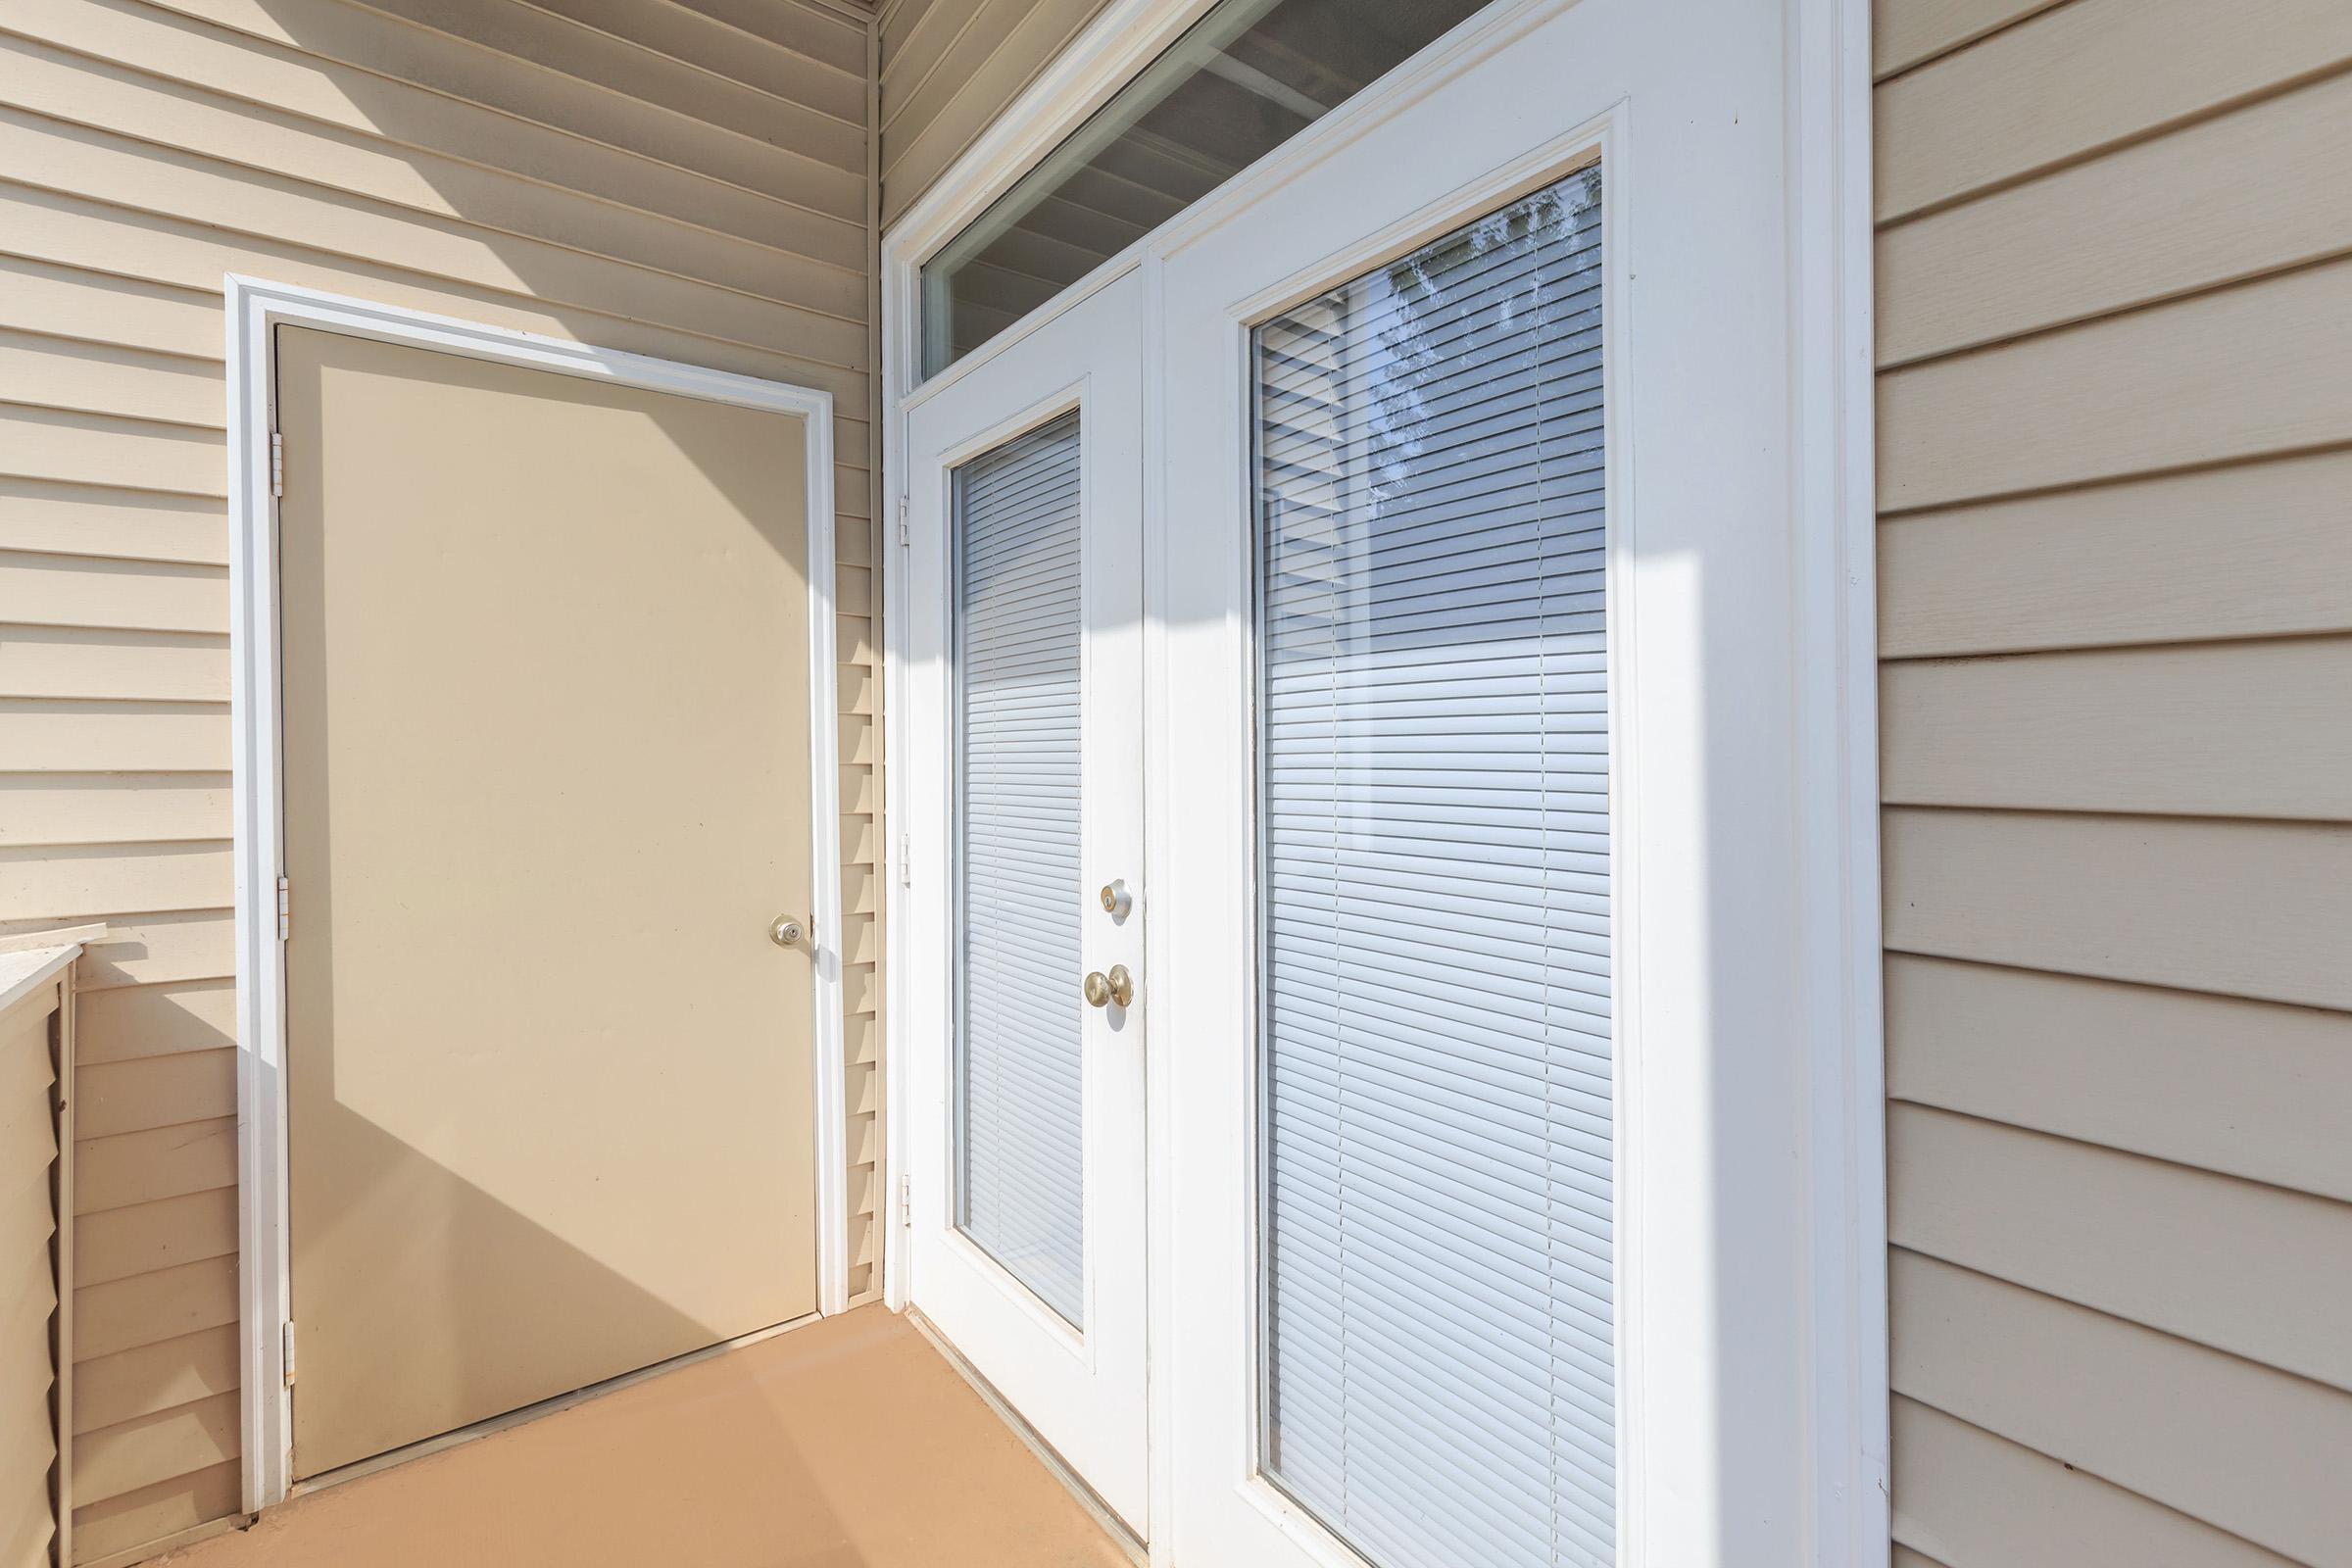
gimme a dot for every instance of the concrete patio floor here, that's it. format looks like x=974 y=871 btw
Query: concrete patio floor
x=846 y=1443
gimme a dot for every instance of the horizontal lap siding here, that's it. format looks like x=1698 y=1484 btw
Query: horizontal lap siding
x=688 y=180
x=949 y=69
x=2115 y=290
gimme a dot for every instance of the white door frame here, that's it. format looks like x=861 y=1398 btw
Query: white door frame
x=1834 y=591
x=254 y=307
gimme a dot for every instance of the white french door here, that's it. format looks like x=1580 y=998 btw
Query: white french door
x=1025 y=846
x=1451 y=510
x=1475 y=948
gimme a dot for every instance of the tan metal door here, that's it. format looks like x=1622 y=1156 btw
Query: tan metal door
x=545 y=684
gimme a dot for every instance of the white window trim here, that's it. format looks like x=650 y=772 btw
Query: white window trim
x=254 y=308
x=1833 y=433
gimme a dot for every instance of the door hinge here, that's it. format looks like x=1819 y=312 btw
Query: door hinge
x=906 y=1198
x=277 y=464
x=285 y=1343
x=906 y=534
x=285 y=909
x=905 y=873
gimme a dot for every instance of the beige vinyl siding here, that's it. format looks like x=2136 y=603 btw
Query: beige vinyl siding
x=29 y=1231
x=2115 y=341
x=949 y=69
x=689 y=180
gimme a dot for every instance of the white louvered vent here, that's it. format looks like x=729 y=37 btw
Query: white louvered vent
x=1020 y=1168
x=1436 y=1038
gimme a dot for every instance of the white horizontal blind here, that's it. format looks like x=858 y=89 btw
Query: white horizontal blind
x=1021 y=1167
x=1436 y=1038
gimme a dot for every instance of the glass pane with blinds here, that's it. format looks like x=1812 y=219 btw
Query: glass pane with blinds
x=1244 y=79
x=1018 y=1060
x=1436 y=1040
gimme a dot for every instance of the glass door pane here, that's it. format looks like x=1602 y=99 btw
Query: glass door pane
x=1019 y=1080
x=1436 y=1045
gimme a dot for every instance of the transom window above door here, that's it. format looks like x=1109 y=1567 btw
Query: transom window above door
x=1244 y=79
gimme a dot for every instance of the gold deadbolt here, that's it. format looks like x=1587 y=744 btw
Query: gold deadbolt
x=1103 y=990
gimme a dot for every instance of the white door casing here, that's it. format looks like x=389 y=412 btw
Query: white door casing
x=1733 y=138
x=1078 y=1385
x=253 y=309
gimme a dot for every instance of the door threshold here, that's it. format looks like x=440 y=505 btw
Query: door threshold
x=490 y=1425
x=1117 y=1529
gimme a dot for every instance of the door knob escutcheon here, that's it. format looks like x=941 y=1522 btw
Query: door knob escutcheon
x=787 y=932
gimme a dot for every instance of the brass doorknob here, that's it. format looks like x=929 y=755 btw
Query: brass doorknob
x=1101 y=989
x=785 y=932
